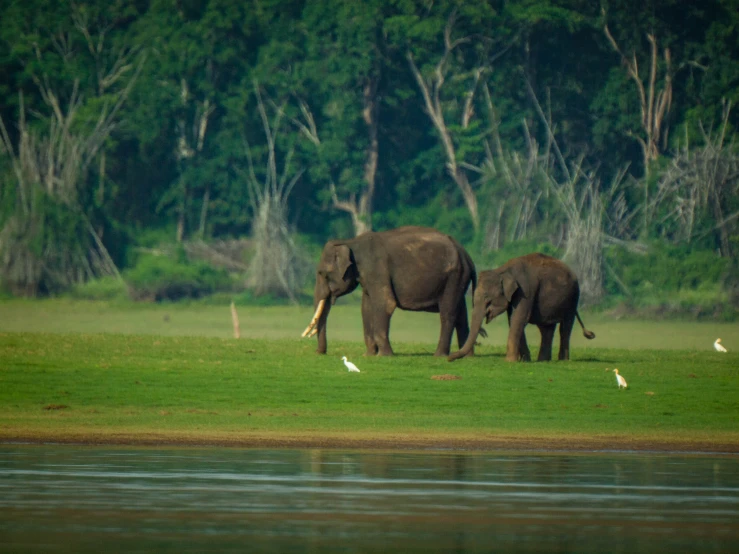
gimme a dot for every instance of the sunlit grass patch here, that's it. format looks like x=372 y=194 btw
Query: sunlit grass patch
x=138 y=385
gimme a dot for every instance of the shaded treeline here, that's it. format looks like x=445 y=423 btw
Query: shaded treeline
x=573 y=123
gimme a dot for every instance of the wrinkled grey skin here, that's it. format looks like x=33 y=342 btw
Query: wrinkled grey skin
x=535 y=288
x=411 y=268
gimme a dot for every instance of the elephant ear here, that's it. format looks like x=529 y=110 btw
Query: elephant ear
x=510 y=285
x=343 y=260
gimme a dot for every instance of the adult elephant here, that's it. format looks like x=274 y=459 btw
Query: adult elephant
x=535 y=288
x=411 y=268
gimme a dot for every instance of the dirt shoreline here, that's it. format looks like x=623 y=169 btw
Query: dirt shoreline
x=392 y=442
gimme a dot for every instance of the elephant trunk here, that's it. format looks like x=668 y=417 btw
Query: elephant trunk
x=320 y=328
x=478 y=313
x=322 y=300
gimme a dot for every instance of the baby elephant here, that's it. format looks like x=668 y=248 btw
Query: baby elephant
x=535 y=288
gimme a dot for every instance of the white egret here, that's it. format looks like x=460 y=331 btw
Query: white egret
x=718 y=346
x=620 y=380
x=350 y=366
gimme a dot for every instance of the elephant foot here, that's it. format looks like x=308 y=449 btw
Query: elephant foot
x=380 y=352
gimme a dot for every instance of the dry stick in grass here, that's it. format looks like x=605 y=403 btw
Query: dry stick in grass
x=235 y=319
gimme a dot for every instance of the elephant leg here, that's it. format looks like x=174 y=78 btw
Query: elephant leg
x=382 y=335
x=445 y=336
x=450 y=322
x=547 y=336
x=517 y=349
x=462 y=325
x=524 y=354
x=565 y=332
x=511 y=352
x=449 y=304
x=381 y=324
x=371 y=345
x=367 y=323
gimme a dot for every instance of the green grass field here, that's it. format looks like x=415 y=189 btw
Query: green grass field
x=90 y=372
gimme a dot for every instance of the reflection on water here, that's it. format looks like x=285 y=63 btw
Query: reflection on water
x=75 y=499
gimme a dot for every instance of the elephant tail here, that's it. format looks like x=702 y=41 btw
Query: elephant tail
x=587 y=334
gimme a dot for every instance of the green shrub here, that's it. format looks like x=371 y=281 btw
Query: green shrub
x=105 y=288
x=45 y=244
x=157 y=278
x=664 y=268
x=669 y=281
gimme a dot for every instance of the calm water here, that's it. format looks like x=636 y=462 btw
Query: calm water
x=84 y=499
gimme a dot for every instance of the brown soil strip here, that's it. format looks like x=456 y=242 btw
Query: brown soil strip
x=383 y=442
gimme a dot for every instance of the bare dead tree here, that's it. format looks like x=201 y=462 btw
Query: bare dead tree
x=50 y=166
x=525 y=180
x=431 y=88
x=190 y=143
x=655 y=101
x=277 y=267
x=578 y=193
x=358 y=206
x=528 y=178
x=701 y=180
x=47 y=169
x=191 y=132
x=113 y=64
x=581 y=201
x=619 y=214
x=226 y=253
x=522 y=182
x=517 y=197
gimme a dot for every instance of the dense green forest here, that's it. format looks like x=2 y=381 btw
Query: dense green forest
x=216 y=142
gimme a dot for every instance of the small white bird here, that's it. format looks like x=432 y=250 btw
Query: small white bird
x=718 y=346
x=350 y=366
x=620 y=380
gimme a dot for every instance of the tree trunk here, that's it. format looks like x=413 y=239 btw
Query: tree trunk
x=361 y=210
x=470 y=199
x=723 y=234
x=181 y=224
x=435 y=111
x=363 y=223
x=204 y=213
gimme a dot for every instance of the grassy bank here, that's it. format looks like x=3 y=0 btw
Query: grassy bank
x=254 y=391
x=345 y=323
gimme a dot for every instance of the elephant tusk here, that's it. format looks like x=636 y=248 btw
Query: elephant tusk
x=319 y=310
x=314 y=332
